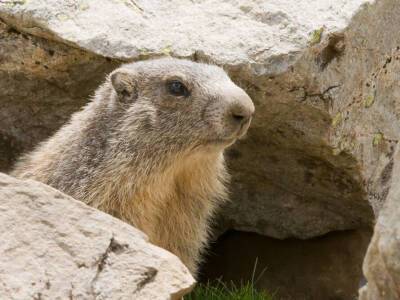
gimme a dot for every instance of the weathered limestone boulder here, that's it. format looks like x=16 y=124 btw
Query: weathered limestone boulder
x=323 y=76
x=54 y=247
x=382 y=263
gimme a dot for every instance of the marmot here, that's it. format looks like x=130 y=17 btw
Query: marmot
x=148 y=149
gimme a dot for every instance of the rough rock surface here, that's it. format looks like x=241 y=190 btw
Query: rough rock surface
x=323 y=76
x=41 y=84
x=382 y=262
x=269 y=34
x=54 y=247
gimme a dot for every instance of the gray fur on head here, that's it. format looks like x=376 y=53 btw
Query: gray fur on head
x=149 y=149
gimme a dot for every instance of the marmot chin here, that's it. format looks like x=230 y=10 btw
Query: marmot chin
x=148 y=149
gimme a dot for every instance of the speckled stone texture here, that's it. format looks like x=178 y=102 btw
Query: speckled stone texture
x=55 y=247
x=382 y=262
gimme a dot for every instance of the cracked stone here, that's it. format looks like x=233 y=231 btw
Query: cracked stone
x=55 y=247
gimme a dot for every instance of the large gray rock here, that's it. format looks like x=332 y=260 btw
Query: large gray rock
x=319 y=156
x=54 y=247
x=382 y=262
x=266 y=35
x=322 y=75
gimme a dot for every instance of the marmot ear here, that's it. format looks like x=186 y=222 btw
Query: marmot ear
x=124 y=83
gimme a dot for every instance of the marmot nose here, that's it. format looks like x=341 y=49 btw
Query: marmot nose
x=240 y=114
x=242 y=110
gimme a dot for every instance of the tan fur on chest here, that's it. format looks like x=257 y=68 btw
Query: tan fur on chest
x=173 y=207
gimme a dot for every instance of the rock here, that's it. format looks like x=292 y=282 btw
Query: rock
x=269 y=34
x=41 y=84
x=319 y=155
x=54 y=247
x=382 y=262
x=323 y=76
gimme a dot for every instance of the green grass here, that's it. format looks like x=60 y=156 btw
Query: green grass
x=220 y=291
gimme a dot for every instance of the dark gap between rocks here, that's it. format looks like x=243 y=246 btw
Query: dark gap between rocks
x=327 y=267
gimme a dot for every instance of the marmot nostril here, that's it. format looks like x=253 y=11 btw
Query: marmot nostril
x=239 y=117
x=240 y=114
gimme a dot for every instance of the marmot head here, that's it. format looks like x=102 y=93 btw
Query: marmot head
x=180 y=103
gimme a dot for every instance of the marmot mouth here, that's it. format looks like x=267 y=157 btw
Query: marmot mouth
x=243 y=129
x=229 y=141
x=222 y=142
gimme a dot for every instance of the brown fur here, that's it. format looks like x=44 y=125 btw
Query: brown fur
x=146 y=156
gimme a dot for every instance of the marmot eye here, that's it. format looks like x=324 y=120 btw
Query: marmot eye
x=177 y=88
